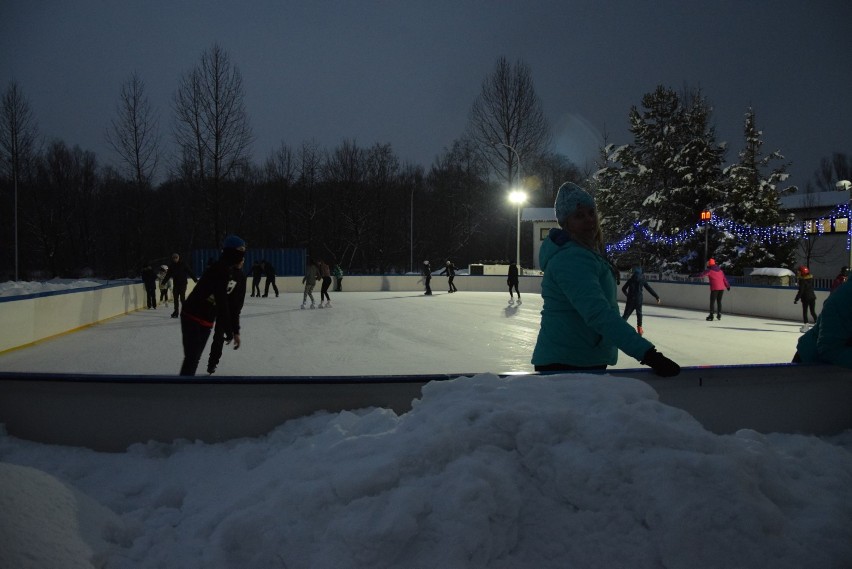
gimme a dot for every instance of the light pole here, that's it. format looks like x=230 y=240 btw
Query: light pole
x=517 y=197
x=846 y=186
x=706 y=216
x=411 y=234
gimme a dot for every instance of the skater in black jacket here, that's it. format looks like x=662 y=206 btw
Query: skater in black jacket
x=179 y=273
x=426 y=273
x=807 y=295
x=149 y=278
x=256 y=274
x=269 y=271
x=209 y=304
x=221 y=336
x=450 y=271
x=632 y=289
x=512 y=281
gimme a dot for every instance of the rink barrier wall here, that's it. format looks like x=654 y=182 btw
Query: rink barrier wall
x=111 y=413
x=32 y=318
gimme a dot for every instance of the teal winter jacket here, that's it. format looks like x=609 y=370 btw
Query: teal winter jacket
x=830 y=340
x=580 y=323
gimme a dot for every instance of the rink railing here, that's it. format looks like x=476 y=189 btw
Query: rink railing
x=110 y=413
x=35 y=317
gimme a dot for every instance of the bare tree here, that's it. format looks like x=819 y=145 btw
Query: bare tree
x=18 y=133
x=212 y=128
x=133 y=133
x=507 y=121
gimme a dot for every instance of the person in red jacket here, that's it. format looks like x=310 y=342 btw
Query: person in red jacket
x=718 y=284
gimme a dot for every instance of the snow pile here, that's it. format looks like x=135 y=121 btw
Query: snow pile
x=772 y=272
x=20 y=288
x=541 y=472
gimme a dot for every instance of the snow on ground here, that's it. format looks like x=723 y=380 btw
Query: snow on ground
x=524 y=471
x=17 y=288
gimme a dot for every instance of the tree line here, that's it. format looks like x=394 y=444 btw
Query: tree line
x=65 y=214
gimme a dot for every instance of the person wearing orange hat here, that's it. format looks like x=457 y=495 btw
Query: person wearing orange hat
x=807 y=295
x=718 y=284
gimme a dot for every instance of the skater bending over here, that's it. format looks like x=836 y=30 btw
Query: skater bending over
x=208 y=305
x=632 y=289
x=223 y=334
x=581 y=327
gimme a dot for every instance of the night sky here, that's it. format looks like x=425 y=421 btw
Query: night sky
x=407 y=73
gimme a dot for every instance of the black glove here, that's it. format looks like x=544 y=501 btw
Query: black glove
x=796 y=301
x=662 y=366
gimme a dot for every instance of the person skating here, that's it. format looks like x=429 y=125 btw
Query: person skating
x=841 y=278
x=807 y=295
x=236 y=299
x=269 y=271
x=338 y=278
x=426 y=272
x=164 y=285
x=179 y=273
x=581 y=327
x=513 y=281
x=208 y=305
x=450 y=271
x=718 y=284
x=633 y=291
x=149 y=279
x=310 y=280
x=256 y=275
x=325 y=275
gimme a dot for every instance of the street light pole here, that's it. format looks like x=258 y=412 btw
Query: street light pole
x=706 y=216
x=517 y=197
x=846 y=186
x=411 y=232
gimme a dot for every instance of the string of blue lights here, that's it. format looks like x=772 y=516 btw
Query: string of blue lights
x=770 y=234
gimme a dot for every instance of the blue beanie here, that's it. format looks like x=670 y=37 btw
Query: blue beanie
x=570 y=196
x=233 y=242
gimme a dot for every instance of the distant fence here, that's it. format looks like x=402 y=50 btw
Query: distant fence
x=287 y=262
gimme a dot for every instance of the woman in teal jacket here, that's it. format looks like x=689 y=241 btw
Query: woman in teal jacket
x=581 y=325
x=830 y=340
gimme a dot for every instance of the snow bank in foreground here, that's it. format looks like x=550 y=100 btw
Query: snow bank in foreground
x=483 y=472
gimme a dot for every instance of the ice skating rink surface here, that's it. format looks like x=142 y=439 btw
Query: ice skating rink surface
x=390 y=333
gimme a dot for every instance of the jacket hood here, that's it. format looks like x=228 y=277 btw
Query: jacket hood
x=556 y=240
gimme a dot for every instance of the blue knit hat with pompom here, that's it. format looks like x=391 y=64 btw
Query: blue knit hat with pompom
x=570 y=196
x=233 y=242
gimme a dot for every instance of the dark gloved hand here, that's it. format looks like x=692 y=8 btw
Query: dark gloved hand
x=796 y=301
x=729 y=289
x=662 y=366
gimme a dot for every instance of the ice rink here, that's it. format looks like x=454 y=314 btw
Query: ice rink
x=390 y=333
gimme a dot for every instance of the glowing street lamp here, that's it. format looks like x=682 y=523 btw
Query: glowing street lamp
x=846 y=186
x=518 y=197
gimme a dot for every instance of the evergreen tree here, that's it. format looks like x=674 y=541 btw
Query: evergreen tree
x=752 y=202
x=664 y=179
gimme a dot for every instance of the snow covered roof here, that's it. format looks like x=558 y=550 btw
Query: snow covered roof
x=813 y=200
x=538 y=214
